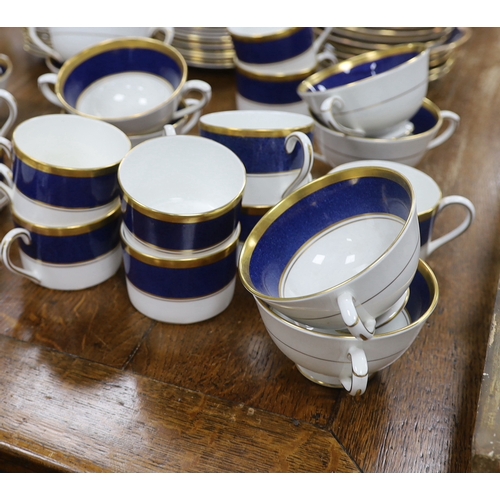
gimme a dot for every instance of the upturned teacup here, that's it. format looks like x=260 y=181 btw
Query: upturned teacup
x=136 y=84
x=430 y=203
x=338 y=252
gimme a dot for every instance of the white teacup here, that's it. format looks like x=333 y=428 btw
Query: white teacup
x=65 y=257
x=373 y=94
x=430 y=203
x=346 y=362
x=67 y=42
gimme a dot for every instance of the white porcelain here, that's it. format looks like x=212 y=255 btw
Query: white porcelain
x=11 y=103
x=64 y=168
x=5 y=70
x=179 y=288
x=97 y=243
x=139 y=88
x=181 y=192
x=430 y=203
x=336 y=148
x=247 y=104
x=344 y=361
x=338 y=252
x=373 y=103
x=65 y=42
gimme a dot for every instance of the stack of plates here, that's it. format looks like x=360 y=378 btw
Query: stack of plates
x=205 y=47
x=442 y=42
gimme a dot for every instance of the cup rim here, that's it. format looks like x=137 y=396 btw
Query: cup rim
x=120 y=43
x=281 y=208
x=428 y=275
x=278 y=77
x=348 y=65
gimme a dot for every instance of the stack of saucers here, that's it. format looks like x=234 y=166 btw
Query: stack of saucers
x=210 y=48
x=442 y=43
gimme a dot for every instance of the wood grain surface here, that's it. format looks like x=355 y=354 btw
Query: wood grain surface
x=90 y=384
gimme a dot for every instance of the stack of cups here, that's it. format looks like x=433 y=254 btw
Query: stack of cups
x=272 y=62
x=276 y=149
x=181 y=198
x=65 y=200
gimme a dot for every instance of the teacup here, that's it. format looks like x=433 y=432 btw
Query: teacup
x=136 y=84
x=64 y=168
x=338 y=252
x=5 y=70
x=373 y=94
x=65 y=257
x=343 y=361
x=181 y=193
x=430 y=203
x=431 y=128
x=275 y=148
x=67 y=42
x=178 y=287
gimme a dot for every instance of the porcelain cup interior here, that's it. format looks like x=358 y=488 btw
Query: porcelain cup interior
x=338 y=252
x=181 y=193
x=370 y=94
x=431 y=128
x=346 y=362
x=430 y=203
x=136 y=84
x=64 y=165
x=66 y=42
x=275 y=147
x=65 y=257
x=177 y=287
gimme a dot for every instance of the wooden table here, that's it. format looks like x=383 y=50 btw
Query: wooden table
x=89 y=384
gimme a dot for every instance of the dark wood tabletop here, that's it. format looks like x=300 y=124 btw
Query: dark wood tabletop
x=89 y=384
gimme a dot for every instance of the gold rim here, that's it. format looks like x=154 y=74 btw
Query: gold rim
x=122 y=43
x=275 y=77
x=67 y=230
x=278 y=210
x=255 y=211
x=262 y=38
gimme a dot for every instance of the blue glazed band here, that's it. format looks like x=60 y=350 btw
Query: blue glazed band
x=423 y=120
x=180 y=284
x=420 y=298
x=261 y=155
x=317 y=212
x=268 y=92
x=425 y=229
x=65 y=192
x=178 y=236
x=74 y=249
x=118 y=61
x=271 y=51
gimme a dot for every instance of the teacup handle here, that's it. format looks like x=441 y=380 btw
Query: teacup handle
x=168 y=33
x=44 y=84
x=43 y=46
x=5 y=247
x=6 y=147
x=356 y=384
x=361 y=329
x=321 y=39
x=461 y=228
x=8 y=184
x=196 y=104
x=291 y=142
x=12 y=105
x=327 y=55
x=453 y=121
x=193 y=119
x=327 y=107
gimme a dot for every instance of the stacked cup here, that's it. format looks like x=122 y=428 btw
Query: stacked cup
x=275 y=148
x=65 y=200
x=181 y=198
x=137 y=84
x=336 y=265
x=271 y=63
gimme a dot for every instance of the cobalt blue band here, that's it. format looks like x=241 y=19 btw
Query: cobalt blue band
x=118 y=61
x=264 y=52
x=261 y=155
x=425 y=229
x=247 y=222
x=317 y=212
x=420 y=298
x=65 y=192
x=423 y=120
x=179 y=284
x=73 y=249
x=268 y=92
x=179 y=236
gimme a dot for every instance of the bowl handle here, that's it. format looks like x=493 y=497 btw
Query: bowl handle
x=290 y=144
x=356 y=384
x=362 y=330
x=196 y=104
x=168 y=34
x=43 y=84
x=453 y=122
x=327 y=107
